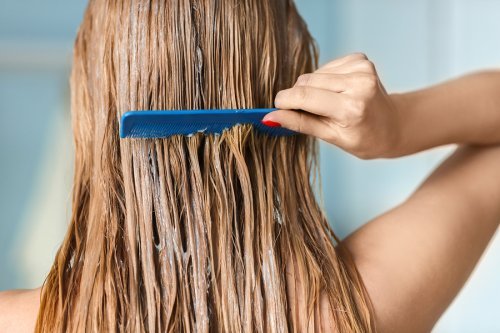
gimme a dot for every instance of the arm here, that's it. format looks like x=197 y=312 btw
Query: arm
x=415 y=258
x=345 y=104
x=465 y=111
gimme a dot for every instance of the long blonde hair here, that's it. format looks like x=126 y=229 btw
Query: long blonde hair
x=194 y=234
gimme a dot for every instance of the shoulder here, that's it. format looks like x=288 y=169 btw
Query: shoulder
x=19 y=310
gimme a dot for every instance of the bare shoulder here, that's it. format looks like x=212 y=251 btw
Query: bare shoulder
x=18 y=310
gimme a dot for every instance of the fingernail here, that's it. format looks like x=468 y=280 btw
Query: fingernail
x=271 y=123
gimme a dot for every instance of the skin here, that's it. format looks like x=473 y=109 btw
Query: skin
x=415 y=258
x=19 y=310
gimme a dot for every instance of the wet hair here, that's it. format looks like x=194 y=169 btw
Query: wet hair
x=216 y=233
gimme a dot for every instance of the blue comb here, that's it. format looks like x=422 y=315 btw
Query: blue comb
x=163 y=124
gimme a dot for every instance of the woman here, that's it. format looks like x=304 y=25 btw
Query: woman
x=223 y=233
x=197 y=233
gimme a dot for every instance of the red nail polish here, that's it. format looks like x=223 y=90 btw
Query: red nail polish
x=271 y=123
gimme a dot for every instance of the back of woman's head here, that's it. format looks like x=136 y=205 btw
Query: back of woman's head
x=216 y=233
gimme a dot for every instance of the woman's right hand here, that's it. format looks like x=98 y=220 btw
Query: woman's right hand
x=343 y=103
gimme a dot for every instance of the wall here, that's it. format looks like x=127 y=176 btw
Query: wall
x=35 y=44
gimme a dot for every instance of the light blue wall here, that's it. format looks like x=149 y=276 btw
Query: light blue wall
x=33 y=20
x=413 y=43
x=396 y=36
x=27 y=103
x=35 y=39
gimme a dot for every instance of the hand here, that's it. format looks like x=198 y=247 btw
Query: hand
x=343 y=103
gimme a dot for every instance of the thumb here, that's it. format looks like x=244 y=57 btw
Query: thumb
x=298 y=121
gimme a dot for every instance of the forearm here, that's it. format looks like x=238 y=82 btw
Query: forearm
x=469 y=180
x=457 y=213
x=415 y=258
x=463 y=111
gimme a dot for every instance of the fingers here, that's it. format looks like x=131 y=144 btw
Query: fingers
x=317 y=101
x=359 y=66
x=353 y=63
x=354 y=57
x=349 y=84
x=333 y=82
x=302 y=122
x=324 y=103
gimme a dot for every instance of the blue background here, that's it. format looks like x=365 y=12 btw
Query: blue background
x=413 y=43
